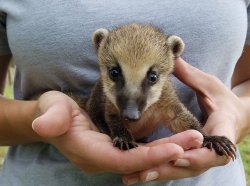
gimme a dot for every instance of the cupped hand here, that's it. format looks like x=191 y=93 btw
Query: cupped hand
x=65 y=125
x=224 y=110
x=225 y=113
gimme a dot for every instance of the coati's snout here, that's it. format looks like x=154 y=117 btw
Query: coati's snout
x=135 y=63
x=131 y=108
x=125 y=93
x=131 y=111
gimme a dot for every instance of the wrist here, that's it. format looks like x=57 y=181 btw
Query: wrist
x=243 y=94
x=243 y=128
x=16 y=122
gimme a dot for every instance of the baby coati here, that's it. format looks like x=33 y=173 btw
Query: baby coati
x=134 y=93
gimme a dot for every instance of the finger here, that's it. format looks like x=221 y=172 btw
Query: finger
x=187 y=140
x=143 y=158
x=203 y=158
x=168 y=172
x=133 y=160
x=195 y=78
x=54 y=122
x=162 y=172
x=199 y=160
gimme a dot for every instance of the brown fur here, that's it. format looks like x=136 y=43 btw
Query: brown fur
x=137 y=50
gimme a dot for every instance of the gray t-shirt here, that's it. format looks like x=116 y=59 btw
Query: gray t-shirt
x=51 y=45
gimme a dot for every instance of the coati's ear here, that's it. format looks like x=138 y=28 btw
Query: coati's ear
x=176 y=44
x=98 y=36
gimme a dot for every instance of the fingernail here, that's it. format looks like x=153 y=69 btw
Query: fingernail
x=182 y=163
x=152 y=176
x=33 y=124
x=198 y=143
x=131 y=181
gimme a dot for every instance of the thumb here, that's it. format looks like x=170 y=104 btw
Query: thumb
x=54 y=122
x=191 y=76
x=207 y=86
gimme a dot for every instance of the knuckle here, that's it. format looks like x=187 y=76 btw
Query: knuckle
x=194 y=134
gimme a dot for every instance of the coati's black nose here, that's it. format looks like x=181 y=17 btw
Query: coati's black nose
x=131 y=116
x=131 y=112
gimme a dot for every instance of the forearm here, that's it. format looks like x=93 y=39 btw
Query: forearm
x=15 y=122
x=241 y=88
x=243 y=92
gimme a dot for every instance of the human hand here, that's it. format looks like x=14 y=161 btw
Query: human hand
x=62 y=123
x=225 y=113
x=224 y=110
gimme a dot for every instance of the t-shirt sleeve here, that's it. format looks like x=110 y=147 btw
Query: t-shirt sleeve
x=4 y=46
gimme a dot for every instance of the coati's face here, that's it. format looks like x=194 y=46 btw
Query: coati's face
x=135 y=63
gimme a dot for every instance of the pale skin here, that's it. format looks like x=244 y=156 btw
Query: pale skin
x=169 y=158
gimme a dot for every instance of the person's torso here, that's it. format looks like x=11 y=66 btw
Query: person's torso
x=51 y=45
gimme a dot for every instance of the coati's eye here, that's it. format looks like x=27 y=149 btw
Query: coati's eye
x=152 y=76
x=114 y=73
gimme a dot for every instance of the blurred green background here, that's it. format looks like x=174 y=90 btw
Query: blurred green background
x=244 y=146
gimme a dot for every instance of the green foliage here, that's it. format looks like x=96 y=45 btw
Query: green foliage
x=8 y=91
x=244 y=147
x=3 y=151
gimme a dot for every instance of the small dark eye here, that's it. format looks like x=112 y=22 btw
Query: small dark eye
x=152 y=77
x=114 y=73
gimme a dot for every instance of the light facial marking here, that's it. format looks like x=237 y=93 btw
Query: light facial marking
x=153 y=95
x=133 y=77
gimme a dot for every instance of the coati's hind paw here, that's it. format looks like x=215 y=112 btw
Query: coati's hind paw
x=221 y=145
x=124 y=142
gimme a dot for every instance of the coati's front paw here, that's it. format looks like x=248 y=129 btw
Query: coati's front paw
x=221 y=145
x=124 y=142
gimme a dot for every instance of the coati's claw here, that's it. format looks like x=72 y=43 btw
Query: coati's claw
x=124 y=143
x=221 y=145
